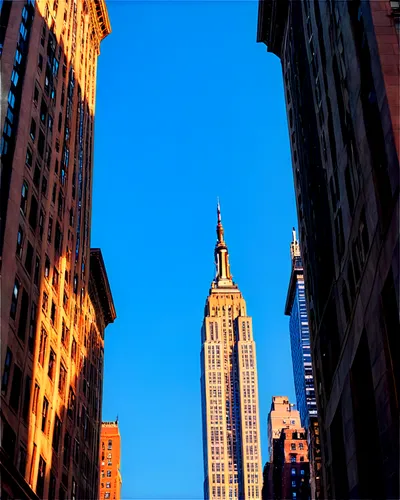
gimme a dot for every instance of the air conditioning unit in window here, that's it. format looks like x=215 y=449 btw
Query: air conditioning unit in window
x=395 y=4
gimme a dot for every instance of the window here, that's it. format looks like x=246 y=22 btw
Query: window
x=107 y=495
x=76 y=452
x=302 y=472
x=24 y=197
x=45 y=302
x=45 y=410
x=73 y=496
x=35 y=399
x=32 y=328
x=62 y=378
x=37 y=269
x=53 y=313
x=293 y=484
x=293 y=446
x=293 y=471
x=108 y=485
x=47 y=267
x=108 y=473
x=73 y=349
x=40 y=63
x=27 y=395
x=29 y=157
x=50 y=124
x=110 y=445
x=16 y=388
x=29 y=258
x=23 y=315
x=71 y=404
x=52 y=364
x=41 y=143
x=6 y=371
x=67 y=449
x=40 y=478
x=36 y=175
x=41 y=224
x=22 y=460
x=293 y=458
x=32 y=131
x=52 y=487
x=56 y=278
x=36 y=94
x=33 y=213
x=301 y=446
x=43 y=111
x=42 y=346
x=50 y=230
x=14 y=299
x=20 y=242
x=56 y=434
x=44 y=186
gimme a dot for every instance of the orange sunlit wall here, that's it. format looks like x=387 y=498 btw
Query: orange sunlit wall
x=110 y=461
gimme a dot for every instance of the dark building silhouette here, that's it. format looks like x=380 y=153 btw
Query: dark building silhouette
x=55 y=297
x=340 y=63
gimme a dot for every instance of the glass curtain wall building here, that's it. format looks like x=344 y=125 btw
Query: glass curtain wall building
x=300 y=338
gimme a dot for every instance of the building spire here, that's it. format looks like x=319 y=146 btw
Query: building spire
x=223 y=273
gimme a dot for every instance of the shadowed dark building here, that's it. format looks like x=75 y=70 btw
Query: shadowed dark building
x=340 y=63
x=55 y=297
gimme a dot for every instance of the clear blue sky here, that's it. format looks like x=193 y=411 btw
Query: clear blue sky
x=189 y=108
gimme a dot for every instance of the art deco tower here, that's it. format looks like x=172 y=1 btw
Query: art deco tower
x=231 y=429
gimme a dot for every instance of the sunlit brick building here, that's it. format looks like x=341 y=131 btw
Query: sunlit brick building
x=231 y=429
x=55 y=297
x=340 y=63
x=110 y=462
x=287 y=472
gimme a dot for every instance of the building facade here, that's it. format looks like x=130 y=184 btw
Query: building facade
x=287 y=472
x=55 y=297
x=231 y=428
x=110 y=462
x=282 y=415
x=340 y=63
x=296 y=308
x=291 y=473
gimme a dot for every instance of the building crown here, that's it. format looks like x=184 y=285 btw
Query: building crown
x=223 y=277
x=294 y=245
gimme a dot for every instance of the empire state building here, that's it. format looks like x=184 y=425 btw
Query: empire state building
x=231 y=428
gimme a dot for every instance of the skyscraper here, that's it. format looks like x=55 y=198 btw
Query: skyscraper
x=231 y=429
x=302 y=365
x=55 y=297
x=340 y=63
x=300 y=338
x=110 y=462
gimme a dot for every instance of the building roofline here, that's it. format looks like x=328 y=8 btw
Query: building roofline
x=102 y=18
x=296 y=272
x=272 y=15
x=99 y=274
